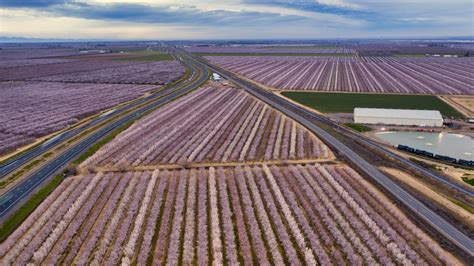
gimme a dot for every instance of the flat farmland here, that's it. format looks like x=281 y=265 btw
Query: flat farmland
x=94 y=71
x=26 y=72
x=14 y=53
x=412 y=49
x=157 y=73
x=214 y=176
x=33 y=109
x=343 y=74
x=39 y=96
x=29 y=62
x=346 y=102
x=150 y=57
x=210 y=125
x=300 y=53
x=464 y=104
x=296 y=214
x=310 y=49
x=131 y=55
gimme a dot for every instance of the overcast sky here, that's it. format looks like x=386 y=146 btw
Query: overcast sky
x=193 y=19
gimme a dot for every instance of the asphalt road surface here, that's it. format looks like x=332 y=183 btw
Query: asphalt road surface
x=12 y=197
x=22 y=159
x=15 y=195
x=299 y=114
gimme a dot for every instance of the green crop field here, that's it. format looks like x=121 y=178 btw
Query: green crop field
x=358 y=127
x=346 y=102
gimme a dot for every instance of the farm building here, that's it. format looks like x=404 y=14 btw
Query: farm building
x=404 y=117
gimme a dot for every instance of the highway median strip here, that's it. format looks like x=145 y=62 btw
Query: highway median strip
x=15 y=219
x=23 y=170
x=12 y=222
x=14 y=155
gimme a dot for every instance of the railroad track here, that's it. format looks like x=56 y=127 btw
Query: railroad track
x=309 y=120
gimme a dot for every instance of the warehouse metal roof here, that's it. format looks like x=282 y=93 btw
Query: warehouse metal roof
x=398 y=113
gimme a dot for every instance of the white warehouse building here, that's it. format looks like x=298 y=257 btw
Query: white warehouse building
x=402 y=117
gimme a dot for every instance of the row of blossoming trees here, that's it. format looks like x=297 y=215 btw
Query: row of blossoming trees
x=92 y=71
x=211 y=125
x=255 y=210
x=31 y=109
x=38 y=68
x=378 y=75
x=261 y=214
x=268 y=49
x=157 y=73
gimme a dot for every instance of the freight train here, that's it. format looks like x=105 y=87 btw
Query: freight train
x=436 y=156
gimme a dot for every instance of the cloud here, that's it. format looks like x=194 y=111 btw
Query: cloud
x=338 y=3
x=340 y=8
x=180 y=14
x=242 y=18
x=321 y=4
x=436 y=20
x=177 y=14
x=30 y=3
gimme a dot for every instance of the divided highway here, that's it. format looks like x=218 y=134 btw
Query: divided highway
x=312 y=116
x=200 y=73
x=20 y=191
x=301 y=115
x=22 y=159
